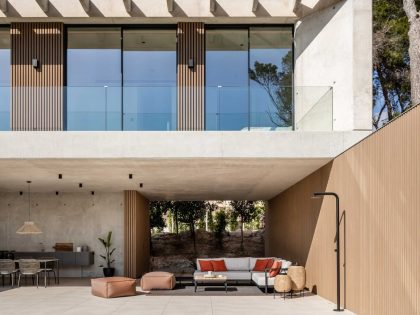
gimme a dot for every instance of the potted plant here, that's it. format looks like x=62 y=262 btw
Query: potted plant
x=107 y=269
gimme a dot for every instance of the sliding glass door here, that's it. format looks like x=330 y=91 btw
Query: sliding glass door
x=149 y=72
x=227 y=79
x=94 y=79
x=4 y=79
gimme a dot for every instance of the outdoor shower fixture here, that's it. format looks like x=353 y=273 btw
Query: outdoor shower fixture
x=337 y=231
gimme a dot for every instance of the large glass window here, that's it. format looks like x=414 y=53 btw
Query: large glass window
x=4 y=79
x=149 y=79
x=227 y=106
x=94 y=79
x=271 y=73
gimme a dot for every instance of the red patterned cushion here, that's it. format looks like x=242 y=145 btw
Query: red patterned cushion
x=275 y=269
x=206 y=265
x=260 y=264
x=219 y=265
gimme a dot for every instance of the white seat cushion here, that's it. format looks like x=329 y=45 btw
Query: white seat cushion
x=259 y=279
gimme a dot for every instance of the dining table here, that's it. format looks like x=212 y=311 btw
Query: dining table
x=44 y=261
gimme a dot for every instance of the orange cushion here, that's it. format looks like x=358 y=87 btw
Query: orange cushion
x=275 y=269
x=218 y=265
x=270 y=263
x=206 y=265
x=260 y=264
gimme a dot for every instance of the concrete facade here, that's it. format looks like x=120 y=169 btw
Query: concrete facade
x=78 y=218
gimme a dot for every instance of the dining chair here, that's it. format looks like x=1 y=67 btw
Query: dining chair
x=48 y=267
x=7 y=268
x=29 y=267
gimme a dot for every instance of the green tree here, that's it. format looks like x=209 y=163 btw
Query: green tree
x=189 y=213
x=278 y=85
x=220 y=222
x=245 y=211
x=391 y=67
x=157 y=210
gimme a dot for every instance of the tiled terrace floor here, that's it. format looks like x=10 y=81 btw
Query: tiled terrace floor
x=70 y=298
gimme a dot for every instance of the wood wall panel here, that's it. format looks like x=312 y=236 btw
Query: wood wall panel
x=136 y=234
x=190 y=81
x=37 y=94
x=378 y=181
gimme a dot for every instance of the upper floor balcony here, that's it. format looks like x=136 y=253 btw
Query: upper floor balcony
x=264 y=106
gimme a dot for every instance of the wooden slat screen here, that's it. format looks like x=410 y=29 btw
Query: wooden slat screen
x=37 y=94
x=378 y=181
x=136 y=234
x=191 y=45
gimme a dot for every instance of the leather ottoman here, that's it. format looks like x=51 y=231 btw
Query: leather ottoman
x=158 y=280
x=113 y=287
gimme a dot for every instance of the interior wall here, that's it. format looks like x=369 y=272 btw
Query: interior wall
x=78 y=218
x=378 y=181
x=136 y=234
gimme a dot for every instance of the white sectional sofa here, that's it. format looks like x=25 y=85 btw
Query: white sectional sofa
x=240 y=269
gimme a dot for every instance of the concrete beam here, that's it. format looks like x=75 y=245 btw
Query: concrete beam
x=170 y=4
x=3 y=6
x=212 y=6
x=85 y=4
x=43 y=4
x=127 y=5
x=255 y=4
x=303 y=8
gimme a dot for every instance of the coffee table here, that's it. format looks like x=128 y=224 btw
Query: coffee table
x=216 y=280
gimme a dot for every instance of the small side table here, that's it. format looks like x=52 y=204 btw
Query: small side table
x=282 y=283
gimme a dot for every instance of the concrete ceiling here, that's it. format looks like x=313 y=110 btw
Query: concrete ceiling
x=163 y=179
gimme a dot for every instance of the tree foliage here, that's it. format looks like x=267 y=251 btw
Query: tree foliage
x=277 y=83
x=157 y=210
x=391 y=66
x=245 y=211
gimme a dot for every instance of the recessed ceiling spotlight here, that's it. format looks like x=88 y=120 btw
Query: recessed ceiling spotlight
x=60 y=176
x=56 y=193
x=80 y=185
x=130 y=176
x=141 y=185
x=21 y=193
x=92 y=192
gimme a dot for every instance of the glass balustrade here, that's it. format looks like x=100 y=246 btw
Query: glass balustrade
x=154 y=108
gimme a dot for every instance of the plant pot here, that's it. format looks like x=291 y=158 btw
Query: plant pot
x=108 y=272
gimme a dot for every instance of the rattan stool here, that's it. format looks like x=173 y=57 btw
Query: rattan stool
x=282 y=283
x=297 y=275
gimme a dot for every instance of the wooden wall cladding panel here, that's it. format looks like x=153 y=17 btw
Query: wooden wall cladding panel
x=136 y=234
x=37 y=93
x=378 y=181
x=190 y=81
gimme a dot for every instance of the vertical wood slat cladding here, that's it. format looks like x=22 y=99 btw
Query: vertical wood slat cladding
x=37 y=94
x=190 y=105
x=136 y=234
x=378 y=181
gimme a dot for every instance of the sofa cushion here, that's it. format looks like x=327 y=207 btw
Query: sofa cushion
x=275 y=269
x=259 y=279
x=260 y=265
x=205 y=265
x=231 y=275
x=253 y=260
x=218 y=265
x=237 y=264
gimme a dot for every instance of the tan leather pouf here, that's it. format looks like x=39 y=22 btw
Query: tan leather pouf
x=158 y=280
x=113 y=287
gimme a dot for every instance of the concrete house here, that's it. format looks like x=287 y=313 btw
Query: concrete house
x=106 y=105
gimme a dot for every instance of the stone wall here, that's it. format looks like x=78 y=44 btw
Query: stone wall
x=78 y=218
x=175 y=253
